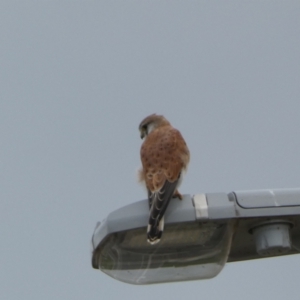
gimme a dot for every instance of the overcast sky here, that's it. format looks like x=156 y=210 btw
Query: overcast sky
x=76 y=79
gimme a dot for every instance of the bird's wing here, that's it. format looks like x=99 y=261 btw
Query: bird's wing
x=164 y=154
x=160 y=200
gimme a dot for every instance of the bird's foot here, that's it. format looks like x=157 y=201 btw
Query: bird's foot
x=177 y=195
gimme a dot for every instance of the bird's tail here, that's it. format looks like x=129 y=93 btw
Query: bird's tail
x=158 y=202
x=154 y=232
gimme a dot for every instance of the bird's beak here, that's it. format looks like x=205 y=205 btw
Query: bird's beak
x=143 y=133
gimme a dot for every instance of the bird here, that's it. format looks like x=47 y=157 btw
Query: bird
x=165 y=157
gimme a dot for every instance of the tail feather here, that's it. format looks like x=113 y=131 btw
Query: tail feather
x=154 y=233
x=158 y=202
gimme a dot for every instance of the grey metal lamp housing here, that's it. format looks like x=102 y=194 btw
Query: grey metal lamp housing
x=202 y=233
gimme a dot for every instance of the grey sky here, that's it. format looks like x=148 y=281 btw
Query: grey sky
x=76 y=78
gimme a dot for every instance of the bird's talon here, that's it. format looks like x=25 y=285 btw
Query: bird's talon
x=177 y=195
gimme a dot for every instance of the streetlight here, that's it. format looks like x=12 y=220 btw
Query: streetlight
x=202 y=233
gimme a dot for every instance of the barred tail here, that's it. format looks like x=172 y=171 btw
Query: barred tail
x=159 y=202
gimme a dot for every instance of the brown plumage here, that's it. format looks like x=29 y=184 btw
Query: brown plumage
x=164 y=156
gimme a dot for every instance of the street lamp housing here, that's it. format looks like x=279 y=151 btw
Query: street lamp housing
x=202 y=232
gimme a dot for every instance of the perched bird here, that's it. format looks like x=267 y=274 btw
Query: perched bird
x=164 y=156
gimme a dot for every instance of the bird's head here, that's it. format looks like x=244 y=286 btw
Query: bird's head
x=150 y=123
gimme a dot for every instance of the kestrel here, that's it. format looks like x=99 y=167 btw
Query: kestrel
x=164 y=156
